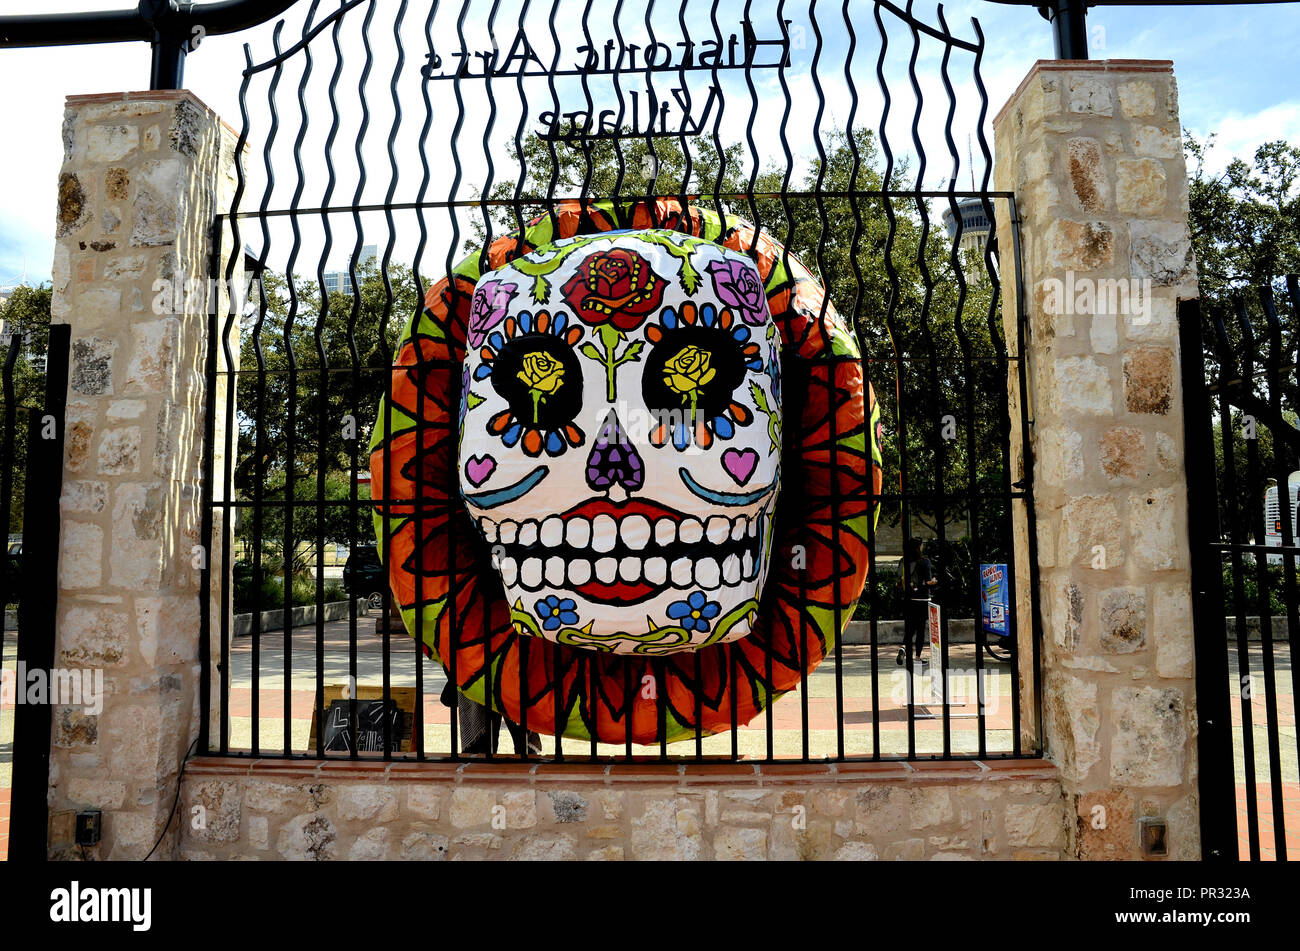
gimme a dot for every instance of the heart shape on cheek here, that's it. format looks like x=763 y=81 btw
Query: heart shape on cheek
x=740 y=464
x=479 y=468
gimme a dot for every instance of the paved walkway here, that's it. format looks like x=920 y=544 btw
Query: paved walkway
x=787 y=720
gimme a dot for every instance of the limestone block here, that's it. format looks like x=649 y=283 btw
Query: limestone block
x=1079 y=245
x=92 y=366
x=424 y=801
x=471 y=807
x=308 y=837
x=1123 y=614
x=1161 y=251
x=520 y=809
x=1175 y=646
x=74 y=206
x=93 y=637
x=1073 y=705
x=119 y=451
x=1137 y=99
x=138 y=544
x=1153 y=521
x=88 y=498
x=367 y=801
x=81 y=555
x=371 y=846
x=740 y=845
x=1155 y=142
x=1141 y=187
x=1088 y=174
x=214 y=810
x=1089 y=96
x=97 y=793
x=1148 y=380
x=931 y=805
x=549 y=847
x=259 y=832
x=1082 y=385
x=1060 y=456
x=857 y=852
x=1123 y=452
x=1149 y=736
x=663 y=832
x=610 y=853
x=1106 y=826
x=568 y=806
x=1091 y=532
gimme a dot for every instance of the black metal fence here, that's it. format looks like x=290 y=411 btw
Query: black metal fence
x=31 y=477
x=1243 y=452
x=389 y=143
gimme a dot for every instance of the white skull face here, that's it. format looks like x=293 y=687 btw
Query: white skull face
x=620 y=439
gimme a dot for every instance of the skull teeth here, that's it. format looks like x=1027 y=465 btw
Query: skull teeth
x=557 y=552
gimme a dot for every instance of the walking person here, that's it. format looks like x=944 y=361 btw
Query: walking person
x=920 y=583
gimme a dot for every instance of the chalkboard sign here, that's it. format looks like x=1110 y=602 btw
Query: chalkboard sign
x=371 y=714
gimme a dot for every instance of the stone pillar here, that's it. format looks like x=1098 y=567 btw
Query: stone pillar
x=1093 y=152
x=144 y=175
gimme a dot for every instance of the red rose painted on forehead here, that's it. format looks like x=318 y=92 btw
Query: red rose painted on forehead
x=616 y=286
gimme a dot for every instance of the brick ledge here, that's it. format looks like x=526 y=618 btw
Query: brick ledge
x=927 y=772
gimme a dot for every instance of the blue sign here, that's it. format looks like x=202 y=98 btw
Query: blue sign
x=995 y=604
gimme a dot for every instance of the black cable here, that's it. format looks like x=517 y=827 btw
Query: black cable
x=179 y=779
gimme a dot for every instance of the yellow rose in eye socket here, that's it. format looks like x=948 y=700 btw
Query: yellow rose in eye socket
x=542 y=373
x=687 y=372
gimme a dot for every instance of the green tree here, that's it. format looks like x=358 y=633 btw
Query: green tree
x=25 y=317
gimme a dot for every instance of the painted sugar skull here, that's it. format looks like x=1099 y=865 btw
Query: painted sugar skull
x=621 y=437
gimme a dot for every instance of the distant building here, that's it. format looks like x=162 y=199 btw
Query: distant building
x=340 y=282
x=975 y=224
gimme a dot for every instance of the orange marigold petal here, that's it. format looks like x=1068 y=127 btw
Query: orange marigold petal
x=743 y=416
x=533 y=442
x=499 y=422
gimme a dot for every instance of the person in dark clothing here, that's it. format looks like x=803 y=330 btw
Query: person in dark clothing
x=920 y=585
x=480 y=727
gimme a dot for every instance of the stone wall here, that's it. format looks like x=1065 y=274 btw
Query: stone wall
x=1093 y=151
x=143 y=176
x=270 y=809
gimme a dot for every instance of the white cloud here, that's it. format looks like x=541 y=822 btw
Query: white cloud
x=1238 y=136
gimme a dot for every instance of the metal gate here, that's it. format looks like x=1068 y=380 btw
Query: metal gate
x=386 y=142
x=1239 y=361
x=33 y=392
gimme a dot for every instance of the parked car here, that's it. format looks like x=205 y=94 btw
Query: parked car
x=364 y=577
x=14 y=573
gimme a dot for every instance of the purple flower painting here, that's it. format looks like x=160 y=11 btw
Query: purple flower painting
x=737 y=285
x=489 y=307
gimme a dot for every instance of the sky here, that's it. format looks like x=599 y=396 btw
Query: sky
x=1234 y=65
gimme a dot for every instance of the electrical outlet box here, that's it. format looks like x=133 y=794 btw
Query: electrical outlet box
x=1153 y=833
x=88 y=827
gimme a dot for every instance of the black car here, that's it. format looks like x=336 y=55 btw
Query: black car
x=363 y=576
x=14 y=572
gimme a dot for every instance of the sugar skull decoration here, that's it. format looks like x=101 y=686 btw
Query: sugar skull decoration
x=620 y=439
x=577 y=473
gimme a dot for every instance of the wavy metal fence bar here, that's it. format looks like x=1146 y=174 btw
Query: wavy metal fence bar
x=520 y=107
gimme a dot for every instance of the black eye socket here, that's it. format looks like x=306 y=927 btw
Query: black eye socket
x=539 y=376
x=674 y=369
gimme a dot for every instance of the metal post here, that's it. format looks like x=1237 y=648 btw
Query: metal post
x=36 y=611
x=1214 y=734
x=1069 y=26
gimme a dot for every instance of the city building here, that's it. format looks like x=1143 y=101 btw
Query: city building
x=340 y=282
